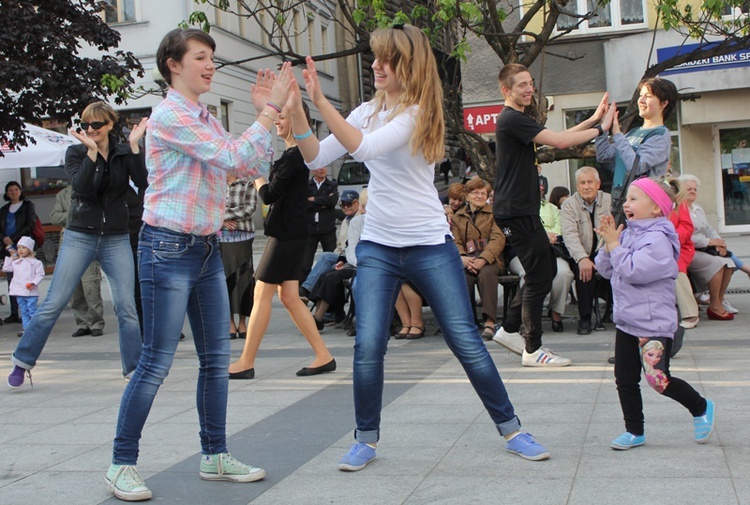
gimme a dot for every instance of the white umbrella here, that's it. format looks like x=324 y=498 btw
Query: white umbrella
x=49 y=150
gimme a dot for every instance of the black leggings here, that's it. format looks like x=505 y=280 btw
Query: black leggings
x=651 y=354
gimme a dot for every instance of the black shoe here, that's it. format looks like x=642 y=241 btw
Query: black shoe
x=13 y=318
x=307 y=371
x=611 y=360
x=232 y=336
x=319 y=324
x=414 y=336
x=20 y=334
x=81 y=332
x=557 y=326
x=242 y=335
x=584 y=327
x=351 y=332
x=679 y=337
x=182 y=336
x=243 y=375
x=304 y=294
x=97 y=333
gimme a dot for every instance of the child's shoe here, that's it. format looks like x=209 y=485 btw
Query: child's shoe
x=627 y=441
x=527 y=447
x=126 y=484
x=704 y=425
x=224 y=467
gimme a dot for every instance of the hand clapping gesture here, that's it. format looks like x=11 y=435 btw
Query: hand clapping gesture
x=609 y=232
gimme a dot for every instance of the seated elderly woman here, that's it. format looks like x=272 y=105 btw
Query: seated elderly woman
x=712 y=265
x=480 y=243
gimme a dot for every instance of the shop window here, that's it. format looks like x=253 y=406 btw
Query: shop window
x=610 y=16
x=119 y=11
x=734 y=149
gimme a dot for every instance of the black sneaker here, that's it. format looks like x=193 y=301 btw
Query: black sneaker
x=584 y=327
x=81 y=332
x=13 y=318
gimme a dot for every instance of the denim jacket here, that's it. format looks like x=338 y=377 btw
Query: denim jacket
x=643 y=272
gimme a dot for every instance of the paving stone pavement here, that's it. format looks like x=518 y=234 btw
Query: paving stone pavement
x=438 y=444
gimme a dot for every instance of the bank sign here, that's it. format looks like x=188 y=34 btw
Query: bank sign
x=481 y=119
x=736 y=59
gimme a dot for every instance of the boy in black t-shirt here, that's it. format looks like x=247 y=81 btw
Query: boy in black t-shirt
x=516 y=207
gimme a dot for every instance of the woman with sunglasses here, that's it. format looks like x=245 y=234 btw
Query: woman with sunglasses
x=399 y=136
x=100 y=170
x=280 y=266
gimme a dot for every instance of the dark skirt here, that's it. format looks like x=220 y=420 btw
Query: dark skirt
x=237 y=258
x=281 y=261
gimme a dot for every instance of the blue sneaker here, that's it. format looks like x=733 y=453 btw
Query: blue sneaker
x=525 y=446
x=627 y=441
x=357 y=458
x=704 y=425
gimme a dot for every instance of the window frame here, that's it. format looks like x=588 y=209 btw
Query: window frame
x=119 y=7
x=616 y=24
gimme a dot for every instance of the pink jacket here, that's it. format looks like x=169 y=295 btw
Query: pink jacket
x=25 y=270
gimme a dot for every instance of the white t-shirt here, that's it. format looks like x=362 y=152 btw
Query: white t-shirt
x=403 y=205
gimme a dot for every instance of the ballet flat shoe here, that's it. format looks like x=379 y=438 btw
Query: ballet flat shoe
x=317 y=370
x=243 y=375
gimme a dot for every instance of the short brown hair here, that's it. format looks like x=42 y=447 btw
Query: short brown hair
x=456 y=191
x=476 y=183
x=174 y=46
x=508 y=72
x=664 y=90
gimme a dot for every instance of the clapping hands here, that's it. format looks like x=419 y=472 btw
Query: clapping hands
x=609 y=232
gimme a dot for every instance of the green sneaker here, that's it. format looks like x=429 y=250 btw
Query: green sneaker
x=224 y=467
x=126 y=484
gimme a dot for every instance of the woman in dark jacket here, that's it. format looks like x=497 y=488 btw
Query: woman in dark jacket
x=280 y=267
x=100 y=171
x=17 y=219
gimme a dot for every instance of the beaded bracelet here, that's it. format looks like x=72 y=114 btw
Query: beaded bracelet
x=274 y=106
x=303 y=136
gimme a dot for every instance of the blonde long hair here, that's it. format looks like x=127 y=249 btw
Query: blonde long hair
x=407 y=50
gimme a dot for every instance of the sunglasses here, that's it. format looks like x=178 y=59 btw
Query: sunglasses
x=346 y=204
x=96 y=125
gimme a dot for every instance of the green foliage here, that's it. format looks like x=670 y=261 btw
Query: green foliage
x=197 y=18
x=44 y=75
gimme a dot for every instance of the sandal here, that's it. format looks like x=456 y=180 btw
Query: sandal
x=488 y=333
x=414 y=336
x=401 y=336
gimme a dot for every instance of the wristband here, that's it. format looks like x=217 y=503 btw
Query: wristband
x=269 y=116
x=303 y=136
x=274 y=107
x=599 y=129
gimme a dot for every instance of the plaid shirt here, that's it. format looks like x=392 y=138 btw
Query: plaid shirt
x=242 y=201
x=188 y=153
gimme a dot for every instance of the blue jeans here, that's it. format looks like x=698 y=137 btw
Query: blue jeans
x=438 y=274
x=27 y=307
x=326 y=262
x=179 y=274
x=77 y=251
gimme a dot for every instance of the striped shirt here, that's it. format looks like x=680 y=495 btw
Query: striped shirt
x=188 y=154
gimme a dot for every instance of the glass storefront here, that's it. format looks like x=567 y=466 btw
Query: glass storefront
x=734 y=153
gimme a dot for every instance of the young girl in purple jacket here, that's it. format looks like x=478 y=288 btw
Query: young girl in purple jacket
x=642 y=265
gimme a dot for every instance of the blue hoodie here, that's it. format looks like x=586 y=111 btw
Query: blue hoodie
x=643 y=272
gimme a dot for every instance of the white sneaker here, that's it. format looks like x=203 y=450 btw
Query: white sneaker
x=514 y=342
x=543 y=357
x=728 y=307
x=703 y=298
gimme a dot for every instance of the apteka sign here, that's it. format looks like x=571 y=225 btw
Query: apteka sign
x=735 y=59
x=481 y=119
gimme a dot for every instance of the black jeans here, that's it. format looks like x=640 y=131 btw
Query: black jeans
x=528 y=238
x=585 y=291
x=632 y=354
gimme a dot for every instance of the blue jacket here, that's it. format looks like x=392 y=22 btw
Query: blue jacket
x=643 y=272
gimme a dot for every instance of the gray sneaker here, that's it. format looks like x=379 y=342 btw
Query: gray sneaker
x=126 y=484
x=514 y=342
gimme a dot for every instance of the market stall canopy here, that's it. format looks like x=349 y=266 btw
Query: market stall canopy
x=49 y=150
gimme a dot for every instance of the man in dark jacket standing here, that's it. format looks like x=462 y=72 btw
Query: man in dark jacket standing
x=322 y=193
